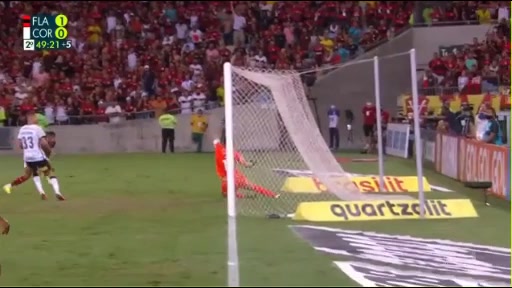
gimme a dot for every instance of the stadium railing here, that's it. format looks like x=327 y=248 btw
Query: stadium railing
x=488 y=85
x=97 y=119
x=142 y=134
x=452 y=23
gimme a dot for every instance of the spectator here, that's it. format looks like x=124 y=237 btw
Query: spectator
x=111 y=22
x=212 y=53
x=428 y=83
x=196 y=69
x=158 y=105
x=61 y=115
x=49 y=112
x=94 y=31
x=148 y=81
x=442 y=127
x=260 y=59
x=503 y=12
x=132 y=60
x=239 y=24
x=186 y=102
x=188 y=83
x=463 y=80
x=196 y=36
x=493 y=133
x=87 y=109
x=114 y=112
x=471 y=63
x=199 y=124
x=172 y=103
x=438 y=66
x=483 y=14
x=129 y=108
x=475 y=84
x=74 y=110
x=180 y=32
x=289 y=34
x=143 y=108
x=198 y=98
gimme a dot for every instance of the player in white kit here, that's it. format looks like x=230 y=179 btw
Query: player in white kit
x=36 y=150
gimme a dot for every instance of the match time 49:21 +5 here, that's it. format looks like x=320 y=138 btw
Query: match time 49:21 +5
x=51 y=44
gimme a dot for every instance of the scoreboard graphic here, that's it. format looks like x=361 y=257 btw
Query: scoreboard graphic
x=45 y=32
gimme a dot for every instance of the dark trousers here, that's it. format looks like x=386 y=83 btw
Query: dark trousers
x=334 y=138
x=197 y=138
x=167 y=138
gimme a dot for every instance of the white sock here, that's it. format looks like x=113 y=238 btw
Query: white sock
x=55 y=184
x=39 y=185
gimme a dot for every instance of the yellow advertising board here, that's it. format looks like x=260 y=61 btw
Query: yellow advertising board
x=435 y=102
x=343 y=211
x=402 y=184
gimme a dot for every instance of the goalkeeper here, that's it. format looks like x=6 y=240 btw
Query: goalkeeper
x=240 y=180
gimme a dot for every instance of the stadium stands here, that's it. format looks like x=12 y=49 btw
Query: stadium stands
x=131 y=52
x=471 y=68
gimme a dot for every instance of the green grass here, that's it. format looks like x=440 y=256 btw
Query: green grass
x=155 y=220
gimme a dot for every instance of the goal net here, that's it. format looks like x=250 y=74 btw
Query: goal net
x=272 y=123
x=275 y=128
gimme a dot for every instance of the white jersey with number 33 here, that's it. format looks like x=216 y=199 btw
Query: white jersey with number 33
x=29 y=137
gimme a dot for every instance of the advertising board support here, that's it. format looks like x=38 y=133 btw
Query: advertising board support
x=428 y=140
x=397 y=140
x=504 y=120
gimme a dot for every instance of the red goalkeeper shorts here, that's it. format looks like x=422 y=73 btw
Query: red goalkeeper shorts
x=240 y=181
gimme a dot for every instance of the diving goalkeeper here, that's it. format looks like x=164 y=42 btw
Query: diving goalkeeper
x=241 y=182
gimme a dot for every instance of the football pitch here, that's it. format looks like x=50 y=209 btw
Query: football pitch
x=160 y=220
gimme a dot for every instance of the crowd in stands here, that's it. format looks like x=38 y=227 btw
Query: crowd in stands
x=471 y=68
x=141 y=56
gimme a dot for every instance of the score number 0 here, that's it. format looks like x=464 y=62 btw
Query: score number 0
x=61 y=32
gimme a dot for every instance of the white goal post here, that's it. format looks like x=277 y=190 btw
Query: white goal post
x=268 y=119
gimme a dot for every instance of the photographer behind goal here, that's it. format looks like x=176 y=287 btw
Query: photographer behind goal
x=466 y=118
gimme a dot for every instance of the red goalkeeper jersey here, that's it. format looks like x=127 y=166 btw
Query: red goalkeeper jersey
x=220 y=159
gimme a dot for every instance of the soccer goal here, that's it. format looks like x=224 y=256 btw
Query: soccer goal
x=269 y=120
